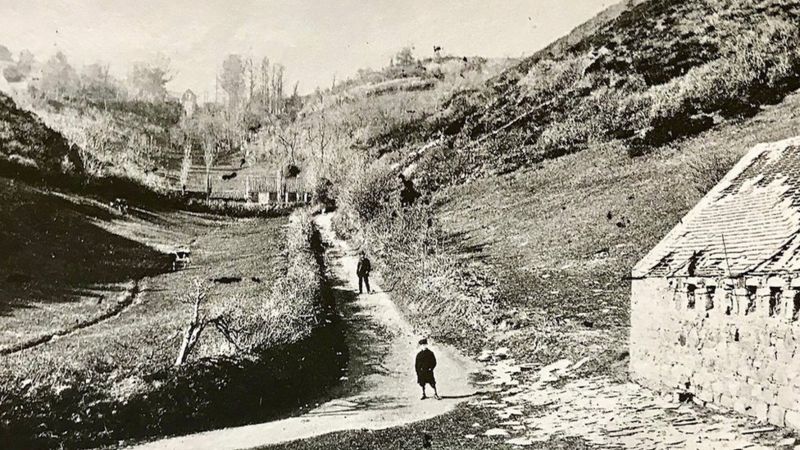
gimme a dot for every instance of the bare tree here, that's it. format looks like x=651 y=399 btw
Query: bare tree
x=277 y=88
x=197 y=321
x=288 y=136
x=201 y=316
x=265 y=83
x=251 y=82
x=319 y=135
x=211 y=132
x=238 y=323
x=186 y=164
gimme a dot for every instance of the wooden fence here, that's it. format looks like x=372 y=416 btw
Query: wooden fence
x=225 y=183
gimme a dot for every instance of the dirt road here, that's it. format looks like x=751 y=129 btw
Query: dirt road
x=385 y=395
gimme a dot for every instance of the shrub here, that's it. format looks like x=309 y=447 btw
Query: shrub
x=323 y=192
x=435 y=287
x=549 y=78
x=363 y=194
x=237 y=208
x=704 y=171
x=755 y=68
x=290 y=310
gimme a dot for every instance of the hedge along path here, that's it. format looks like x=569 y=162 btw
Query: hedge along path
x=124 y=300
x=385 y=397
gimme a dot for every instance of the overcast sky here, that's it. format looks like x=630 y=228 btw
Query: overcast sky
x=314 y=39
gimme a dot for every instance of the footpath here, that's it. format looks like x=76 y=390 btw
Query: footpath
x=385 y=396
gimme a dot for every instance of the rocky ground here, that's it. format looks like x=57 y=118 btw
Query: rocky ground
x=534 y=405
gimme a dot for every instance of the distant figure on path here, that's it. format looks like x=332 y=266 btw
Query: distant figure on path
x=363 y=269
x=424 y=365
x=409 y=194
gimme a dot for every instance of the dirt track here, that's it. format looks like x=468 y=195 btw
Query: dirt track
x=386 y=396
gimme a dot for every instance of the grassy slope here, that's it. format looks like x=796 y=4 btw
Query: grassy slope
x=59 y=265
x=60 y=255
x=545 y=231
x=658 y=71
x=67 y=252
x=24 y=135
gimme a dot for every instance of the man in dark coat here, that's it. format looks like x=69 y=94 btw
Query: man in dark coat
x=424 y=365
x=362 y=270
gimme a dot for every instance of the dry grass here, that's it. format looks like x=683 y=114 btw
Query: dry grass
x=143 y=339
x=562 y=237
x=436 y=287
x=83 y=253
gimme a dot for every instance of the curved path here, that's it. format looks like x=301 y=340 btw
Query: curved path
x=386 y=395
x=125 y=300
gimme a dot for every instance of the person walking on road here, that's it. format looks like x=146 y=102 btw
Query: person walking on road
x=362 y=270
x=424 y=365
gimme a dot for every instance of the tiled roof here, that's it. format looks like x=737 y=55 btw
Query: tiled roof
x=749 y=224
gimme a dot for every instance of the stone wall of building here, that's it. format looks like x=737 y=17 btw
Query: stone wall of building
x=735 y=343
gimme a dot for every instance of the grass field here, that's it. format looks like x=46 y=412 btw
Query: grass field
x=562 y=237
x=68 y=262
x=560 y=262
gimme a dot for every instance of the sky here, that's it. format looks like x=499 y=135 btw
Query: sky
x=313 y=39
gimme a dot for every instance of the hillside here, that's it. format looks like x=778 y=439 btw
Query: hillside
x=541 y=182
x=657 y=72
x=543 y=186
x=26 y=141
x=93 y=310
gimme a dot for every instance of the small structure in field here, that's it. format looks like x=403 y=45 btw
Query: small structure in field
x=715 y=305
x=181 y=258
x=189 y=103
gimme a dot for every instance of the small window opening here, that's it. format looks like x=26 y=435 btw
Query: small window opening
x=729 y=299
x=751 y=300
x=775 y=301
x=711 y=290
x=796 y=306
x=690 y=297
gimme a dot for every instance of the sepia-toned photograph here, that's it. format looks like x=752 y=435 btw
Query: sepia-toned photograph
x=399 y=224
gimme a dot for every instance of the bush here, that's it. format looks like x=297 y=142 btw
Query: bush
x=364 y=194
x=757 y=67
x=435 y=287
x=292 y=308
x=323 y=193
x=704 y=171
x=237 y=209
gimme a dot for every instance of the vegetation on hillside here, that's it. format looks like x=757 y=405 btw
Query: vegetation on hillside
x=26 y=141
x=642 y=76
x=119 y=368
x=659 y=71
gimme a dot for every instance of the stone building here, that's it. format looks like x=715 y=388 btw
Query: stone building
x=189 y=102
x=714 y=306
